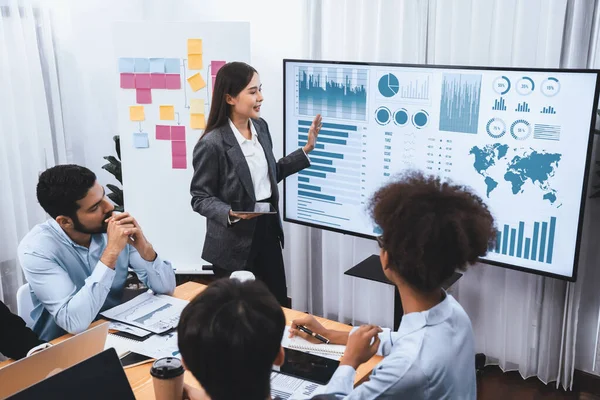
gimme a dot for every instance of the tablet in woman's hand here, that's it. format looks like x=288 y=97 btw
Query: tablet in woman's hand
x=253 y=208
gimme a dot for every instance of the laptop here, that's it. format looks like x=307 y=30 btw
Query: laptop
x=98 y=377
x=37 y=367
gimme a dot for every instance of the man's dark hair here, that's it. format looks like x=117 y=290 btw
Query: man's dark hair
x=229 y=337
x=431 y=228
x=60 y=187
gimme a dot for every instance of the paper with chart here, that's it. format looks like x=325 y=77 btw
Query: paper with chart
x=154 y=313
x=287 y=387
x=159 y=346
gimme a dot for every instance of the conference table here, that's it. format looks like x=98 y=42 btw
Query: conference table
x=139 y=376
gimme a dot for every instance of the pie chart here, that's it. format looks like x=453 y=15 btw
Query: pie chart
x=388 y=85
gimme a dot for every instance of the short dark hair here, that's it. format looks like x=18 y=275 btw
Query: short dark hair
x=231 y=79
x=60 y=187
x=431 y=228
x=229 y=337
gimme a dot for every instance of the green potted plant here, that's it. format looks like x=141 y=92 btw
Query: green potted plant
x=113 y=166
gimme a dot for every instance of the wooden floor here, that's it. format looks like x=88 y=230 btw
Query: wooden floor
x=493 y=384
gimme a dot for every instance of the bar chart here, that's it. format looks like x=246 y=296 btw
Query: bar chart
x=332 y=92
x=523 y=107
x=499 y=104
x=459 y=106
x=548 y=110
x=546 y=132
x=539 y=246
x=333 y=179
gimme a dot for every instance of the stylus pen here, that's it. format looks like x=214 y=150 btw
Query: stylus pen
x=315 y=335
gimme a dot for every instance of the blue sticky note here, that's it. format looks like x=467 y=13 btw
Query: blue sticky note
x=142 y=65
x=172 y=65
x=126 y=65
x=140 y=140
x=157 y=65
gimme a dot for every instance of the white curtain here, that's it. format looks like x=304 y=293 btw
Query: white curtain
x=521 y=321
x=31 y=133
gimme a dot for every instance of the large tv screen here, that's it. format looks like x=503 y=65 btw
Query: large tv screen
x=520 y=138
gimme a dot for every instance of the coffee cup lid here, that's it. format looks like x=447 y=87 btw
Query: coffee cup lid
x=167 y=368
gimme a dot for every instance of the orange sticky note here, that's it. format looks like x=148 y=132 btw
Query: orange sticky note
x=167 y=113
x=197 y=106
x=194 y=46
x=195 y=61
x=197 y=121
x=136 y=113
x=196 y=82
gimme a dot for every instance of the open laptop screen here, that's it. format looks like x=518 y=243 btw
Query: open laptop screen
x=98 y=377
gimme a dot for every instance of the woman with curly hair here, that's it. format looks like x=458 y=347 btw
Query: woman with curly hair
x=430 y=229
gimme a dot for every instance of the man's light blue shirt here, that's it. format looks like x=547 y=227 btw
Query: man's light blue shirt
x=69 y=283
x=432 y=356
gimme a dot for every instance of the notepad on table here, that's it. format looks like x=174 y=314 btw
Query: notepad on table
x=333 y=351
x=121 y=344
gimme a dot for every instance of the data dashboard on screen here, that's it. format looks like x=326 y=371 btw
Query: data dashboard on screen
x=519 y=138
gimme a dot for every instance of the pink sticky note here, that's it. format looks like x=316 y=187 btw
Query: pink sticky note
x=158 y=81
x=173 y=81
x=163 y=132
x=127 y=81
x=178 y=132
x=215 y=66
x=143 y=96
x=179 y=162
x=142 y=81
x=178 y=148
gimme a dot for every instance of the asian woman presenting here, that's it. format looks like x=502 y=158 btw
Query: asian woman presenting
x=234 y=165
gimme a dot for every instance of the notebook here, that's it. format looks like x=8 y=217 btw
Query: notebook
x=125 y=349
x=332 y=351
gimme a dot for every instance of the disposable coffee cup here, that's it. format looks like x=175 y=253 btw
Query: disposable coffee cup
x=167 y=376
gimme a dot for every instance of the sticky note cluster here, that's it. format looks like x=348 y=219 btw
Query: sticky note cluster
x=145 y=74
x=176 y=135
x=194 y=49
x=197 y=119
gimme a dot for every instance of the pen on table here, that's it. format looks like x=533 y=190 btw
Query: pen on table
x=313 y=334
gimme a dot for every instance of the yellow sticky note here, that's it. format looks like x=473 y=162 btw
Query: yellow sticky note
x=194 y=46
x=197 y=106
x=167 y=113
x=195 y=61
x=136 y=113
x=196 y=82
x=197 y=121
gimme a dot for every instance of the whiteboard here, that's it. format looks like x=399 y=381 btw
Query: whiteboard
x=155 y=182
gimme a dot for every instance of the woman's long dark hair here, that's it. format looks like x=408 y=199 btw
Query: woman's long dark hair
x=231 y=79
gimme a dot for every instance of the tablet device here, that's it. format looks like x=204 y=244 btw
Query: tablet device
x=253 y=208
x=308 y=366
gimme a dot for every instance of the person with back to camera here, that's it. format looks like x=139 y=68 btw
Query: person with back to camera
x=430 y=229
x=234 y=164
